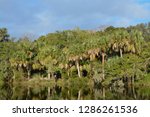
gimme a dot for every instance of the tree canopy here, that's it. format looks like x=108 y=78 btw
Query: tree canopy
x=105 y=55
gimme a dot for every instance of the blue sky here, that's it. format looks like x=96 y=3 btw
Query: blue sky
x=39 y=17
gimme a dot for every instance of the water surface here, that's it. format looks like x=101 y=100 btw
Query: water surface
x=25 y=92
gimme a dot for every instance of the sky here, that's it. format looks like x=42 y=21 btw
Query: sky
x=39 y=17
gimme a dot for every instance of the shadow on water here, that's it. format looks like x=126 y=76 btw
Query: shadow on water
x=19 y=92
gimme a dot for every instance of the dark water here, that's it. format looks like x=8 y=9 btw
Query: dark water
x=20 y=92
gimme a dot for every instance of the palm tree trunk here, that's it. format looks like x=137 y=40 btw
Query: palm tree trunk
x=103 y=62
x=121 y=53
x=103 y=93
x=14 y=76
x=68 y=72
x=49 y=76
x=52 y=73
x=91 y=69
x=132 y=80
x=29 y=74
x=28 y=68
x=78 y=68
x=48 y=93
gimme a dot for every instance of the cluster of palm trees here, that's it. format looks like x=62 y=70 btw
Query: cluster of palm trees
x=73 y=51
x=75 y=48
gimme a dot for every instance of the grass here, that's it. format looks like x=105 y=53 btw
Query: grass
x=71 y=82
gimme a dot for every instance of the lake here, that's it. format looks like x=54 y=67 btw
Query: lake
x=87 y=92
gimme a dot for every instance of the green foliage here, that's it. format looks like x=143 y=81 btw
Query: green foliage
x=112 y=53
x=3 y=35
x=6 y=50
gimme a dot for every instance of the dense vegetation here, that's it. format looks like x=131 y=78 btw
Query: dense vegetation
x=102 y=56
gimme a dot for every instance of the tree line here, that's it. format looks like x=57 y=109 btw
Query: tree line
x=105 y=55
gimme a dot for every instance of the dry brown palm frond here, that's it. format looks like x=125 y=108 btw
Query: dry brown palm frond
x=90 y=51
x=74 y=58
x=92 y=57
x=85 y=56
x=97 y=51
x=132 y=49
x=114 y=46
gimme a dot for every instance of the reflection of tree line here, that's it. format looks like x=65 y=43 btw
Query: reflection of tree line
x=6 y=92
x=68 y=93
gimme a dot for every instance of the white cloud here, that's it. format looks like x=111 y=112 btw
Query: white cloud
x=124 y=8
x=43 y=16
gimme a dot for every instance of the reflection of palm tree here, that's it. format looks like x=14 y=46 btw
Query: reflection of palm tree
x=79 y=94
x=103 y=92
x=48 y=92
x=28 y=93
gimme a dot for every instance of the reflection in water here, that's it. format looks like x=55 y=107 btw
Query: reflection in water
x=6 y=92
x=72 y=93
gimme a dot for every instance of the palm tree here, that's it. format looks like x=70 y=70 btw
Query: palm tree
x=137 y=40
x=104 y=47
x=93 y=53
x=48 y=62
x=75 y=55
x=23 y=57
x=76 y=60
x=121 y=42
x=103 y=63
x=117 y=43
